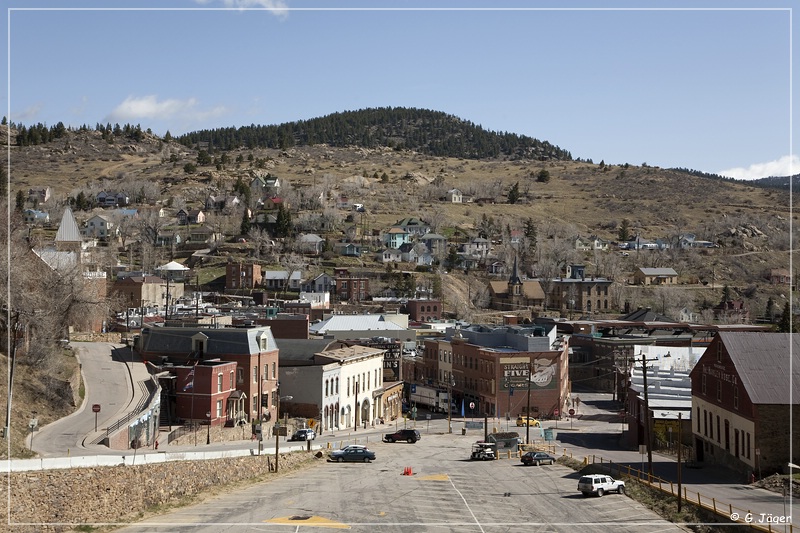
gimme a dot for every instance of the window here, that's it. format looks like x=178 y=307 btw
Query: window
x=266 y=370
x=233 y=385
x=255 y=374
x=748 y=445
x=705 y=422
x=719 y=391
x=710 y=426
x=337 y=385
x=703 y=384
x=736 y=397
x=255 y=405
x=219 y=382
x=326 y=387
x=274 y=370
x=719 y=352
x=697 y=416
x=348 y=386
x=219 y=408
x=719 y=437
x=240 y=375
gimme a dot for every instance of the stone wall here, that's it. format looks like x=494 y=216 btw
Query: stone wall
x=50 y=500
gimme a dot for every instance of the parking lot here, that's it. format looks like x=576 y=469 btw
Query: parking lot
x=445 y=492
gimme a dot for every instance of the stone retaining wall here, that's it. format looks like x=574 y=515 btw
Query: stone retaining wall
x=61 y=500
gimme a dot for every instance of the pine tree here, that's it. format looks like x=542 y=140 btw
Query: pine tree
x=785 y=323
x=244 y=227
x=513 y=194
x=625 y=230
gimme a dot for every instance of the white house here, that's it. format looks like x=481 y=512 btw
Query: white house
x=100 y=226
x=454 y=196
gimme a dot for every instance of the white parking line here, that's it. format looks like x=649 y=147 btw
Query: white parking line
x=467 y=506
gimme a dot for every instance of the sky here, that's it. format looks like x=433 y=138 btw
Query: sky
x=657 y=82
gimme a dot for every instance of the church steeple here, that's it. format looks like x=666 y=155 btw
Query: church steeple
x=514 y=282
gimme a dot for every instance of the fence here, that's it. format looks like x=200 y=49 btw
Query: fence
x=745 y=516
x=726 y=510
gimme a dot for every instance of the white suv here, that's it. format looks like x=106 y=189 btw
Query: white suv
x=600 y=484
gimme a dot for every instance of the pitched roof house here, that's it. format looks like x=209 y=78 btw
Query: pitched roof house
x=746 y=401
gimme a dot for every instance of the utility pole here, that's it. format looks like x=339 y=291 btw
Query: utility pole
x=528 y=408
x=647 y=435
x=355 y=411
x=680 y=497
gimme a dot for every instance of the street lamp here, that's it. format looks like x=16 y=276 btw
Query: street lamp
x=208 y=432
x=451 y=383
x=528 y=408
x=278 y=423
x=509 y=391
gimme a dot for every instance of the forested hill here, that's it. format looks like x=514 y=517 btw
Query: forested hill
x=421 y=130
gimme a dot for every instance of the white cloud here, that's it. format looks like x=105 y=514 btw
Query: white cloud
x=277 y=7
x=149 y=107
x=788 y=165
x=26 y=115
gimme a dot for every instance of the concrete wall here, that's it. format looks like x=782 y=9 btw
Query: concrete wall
x=115 y=494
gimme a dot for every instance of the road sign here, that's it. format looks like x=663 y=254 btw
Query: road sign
x=571 y=412
x=472 y=405
x=96 y=408
x=555 y=412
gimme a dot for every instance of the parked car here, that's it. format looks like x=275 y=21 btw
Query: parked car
x=483 y=451
x=353 y=454
x=409 y=435
x=537 y=458
x=527 y=421
x=304 y=434
x=600 y=484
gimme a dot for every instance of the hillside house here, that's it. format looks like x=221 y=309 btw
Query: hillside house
x=732 y=312
x=436 y=244
x=100 y=227
x=391 y=255
x=310 y=244
x=395 y=237
x=655 y=276
x=454 y=196
x=413 y=226
x=319 y=284
x=39 y=196
x=111 y=199
x=35 y=217
x=281 y=279
x=240 y=275
x=222 y=203
x=779 y=276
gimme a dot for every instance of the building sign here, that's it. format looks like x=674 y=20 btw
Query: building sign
x=542 y=372
x=391 y=356
x=721 y=373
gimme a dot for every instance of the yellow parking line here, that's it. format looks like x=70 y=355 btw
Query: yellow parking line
x=308 y=521
x=436 y=477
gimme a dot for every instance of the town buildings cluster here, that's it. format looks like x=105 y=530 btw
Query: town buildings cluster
x=255 y=356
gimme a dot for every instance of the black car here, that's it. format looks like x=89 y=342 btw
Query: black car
x=409 y=435
x=353 y=454
x=537 y=458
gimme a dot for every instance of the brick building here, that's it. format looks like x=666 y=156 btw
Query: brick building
x=745 y=400
x=252 y=350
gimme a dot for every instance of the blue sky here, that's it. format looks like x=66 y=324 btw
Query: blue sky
x=632 y=82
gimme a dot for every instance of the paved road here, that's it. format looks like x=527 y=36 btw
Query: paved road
x=107 y=380
x=446 y=493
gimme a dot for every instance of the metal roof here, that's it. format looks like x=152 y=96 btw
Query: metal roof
x=68 y=230
x=221 y=341
x=763 y=361
x=355 y=323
